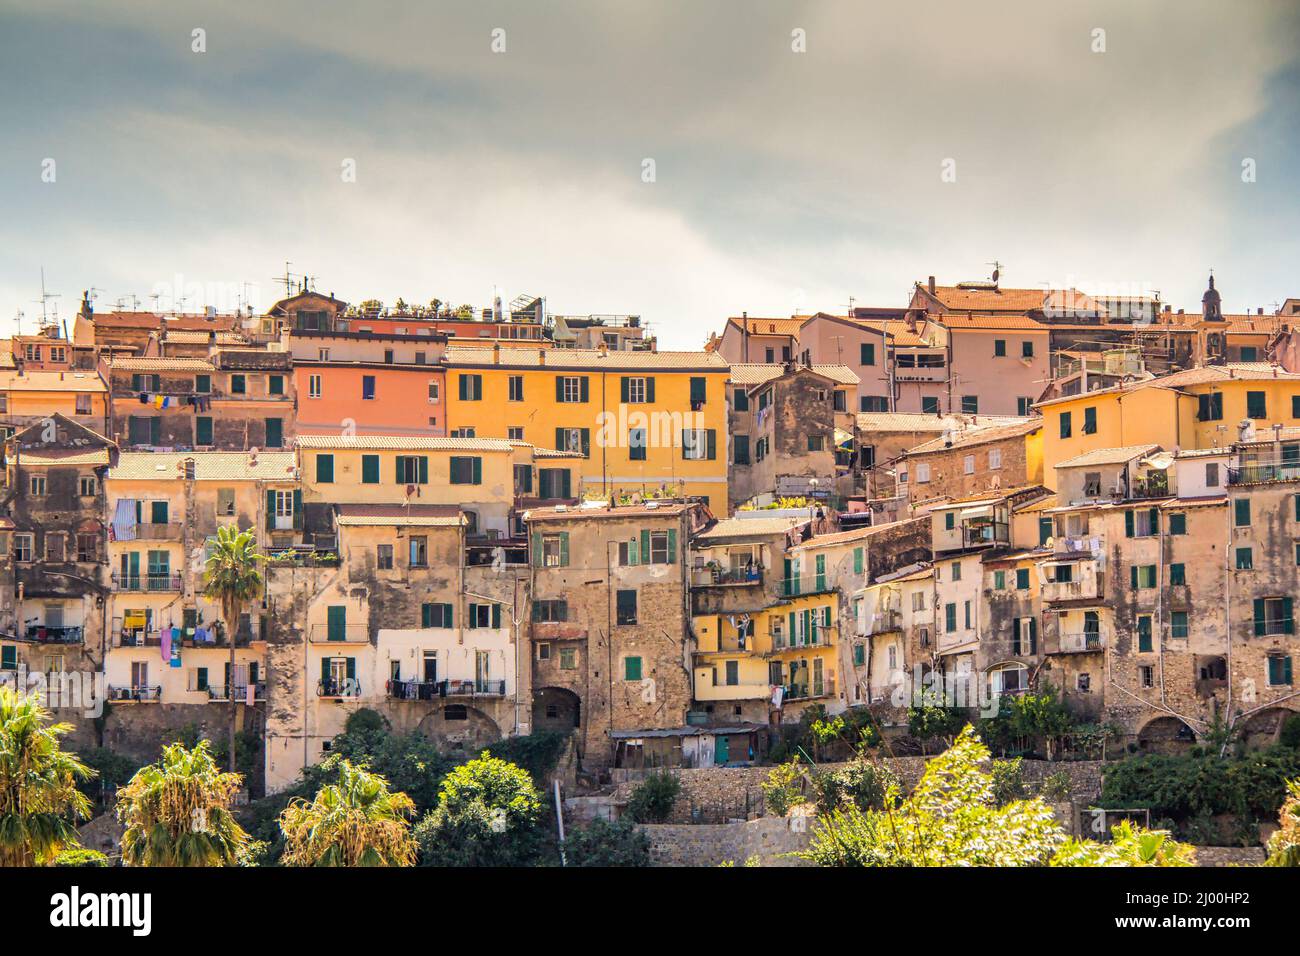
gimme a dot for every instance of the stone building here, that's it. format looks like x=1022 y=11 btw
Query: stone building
x=972 y=460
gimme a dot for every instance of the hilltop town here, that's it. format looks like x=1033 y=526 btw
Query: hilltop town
x=488 y=524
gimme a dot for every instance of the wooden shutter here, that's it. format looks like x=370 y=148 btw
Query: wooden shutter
x=564 y=549
x=672 y=545
x=473 y=615
x=537 y=549
x=424 y=470
x=1128 y=524
x=1288 y=624
x=650 y=389
x=496 y=615
x=1259 y=617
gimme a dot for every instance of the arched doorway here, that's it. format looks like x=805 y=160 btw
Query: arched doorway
x=1166 y=735
x=555 y=708
x=1265 y=728
x=460 y=727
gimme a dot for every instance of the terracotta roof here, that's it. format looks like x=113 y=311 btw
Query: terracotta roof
x=921 y=422
x=208 y=466
x=1201 y=375
x=403 y=443
x=185 y=337
x=733 y=528
x=666 y=509
x=461 y=356
x=381 y=515
x=978 y=436
x=959 y=321
x=64 y=456
x=160 y=364
x=51 y=382
x=758 y=374
x=761 y=326
x=1108 y=456
x=544 y=452
x=989 y=298
x=156 y=320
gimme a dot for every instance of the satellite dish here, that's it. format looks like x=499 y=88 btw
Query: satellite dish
x=996 y=273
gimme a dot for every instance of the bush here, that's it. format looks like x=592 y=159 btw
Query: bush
x=1290 y=734
x=488 y=814
x=928 y=723
x=80 y=857
x=783 y=788
x=861 y=784
x=1008 y=781
x=601 y=843
x=1056 y=787
x=653 y=800
x=537 y=753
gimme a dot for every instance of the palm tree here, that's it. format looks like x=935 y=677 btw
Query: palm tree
x=177 y=812
x=39 y=799
x=355 y=822
x=231 y=579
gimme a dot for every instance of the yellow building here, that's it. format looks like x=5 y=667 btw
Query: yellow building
x=30 y=396
x=1197 y=408
x=640 y=420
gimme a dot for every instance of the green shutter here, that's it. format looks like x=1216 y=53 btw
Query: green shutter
x=650 y=389
x=424 y=470
x=644 y=557
x=155 y=431
x=338 y=621
x=426 y=615
x=274 y=433
x=537 y=549
x=711 y=444
x=496 y=615
x=324 y=669
x=559 y=388
x=473 y=615
x=478 y=470
x=564 y=549
x=672 y=545
x=352 y=668
x=1128 y=524
x=790 y=638
x=203 y=430
x=370 y=469
x=1260 y=625
x=857 y=560
x=158 y=512
x=270 y=508
x=631 y=668
x=324 y=469
x=583 y=393
x=297 y=509
x=1033 y=635
x=624 y=390
x=1133 y=577
x=1288 y=625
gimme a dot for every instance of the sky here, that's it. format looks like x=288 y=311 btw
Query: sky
x=679 y=161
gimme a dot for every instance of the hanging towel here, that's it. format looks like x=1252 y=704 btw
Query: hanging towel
x=250 y=694
x=167 y=644
x=124 y=520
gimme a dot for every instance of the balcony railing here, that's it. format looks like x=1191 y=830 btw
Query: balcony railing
x=340 y=634
x=41 y=634
x=243 y=638
x=1079 y=643
x=145 y=582
x=985 y=535
x=818 y=637
x=882 y=622
x=810 y=584
x=218 y=691
x=709 y=577
x=822 y=688
x=340 y=689
x=136 y=637
x=1256 y=471
x=1085 y=588
x=431 y=690
x=135 y=694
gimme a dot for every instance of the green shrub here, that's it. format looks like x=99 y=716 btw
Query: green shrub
x=80 y=857
x=1008 y=781
x=783 y=788
x=607 y=844
x=488 y=814
x=861 y=784
x=1056 y=787
x=537 y=753
x=654 y=798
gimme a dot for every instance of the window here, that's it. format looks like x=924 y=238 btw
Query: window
x=433 y=393
x=1066 y=428
x=1241 y=512
x=414 y=470
x=1245 y=559
x=999 y=348
x=515 y=388
x=1212 y=475
x=699 y=391
x=930 y=405
x=87 y=547
x=388 y=356
x=922 y=472
x=1279 y=670
x=436 y=615
x=275 y=385
x=550 y=611
x=570 y=389
x=370 y=469
x=1141 y=524
x=636 y=444
x=1144 y=633
x=1147 y=675
x=999 y=580
x=1295 y=406
x=949 y=520
x=419 y=551
x=699 y=444
x=203 y=430
x=238 y=384
x=631 y=668
x=384 y=557
x=466 y=470
x=626 y=606
x=568 y=658
x=1256 y=405
x=995 y=459
x=553 y=550
x=83 y=405
x=54 y=550
x=324 y=469
x=1027 y=349
x=740 y=400
x=1178 y=523
x=873 y=403
x=1142 y=576
x=577 y=440
x=203 y=384
x=470 y=387
x=1022 y=579
x=970 y=404
x=636 y=390
x=274 y=433
x=740 y=449
x=1024 y=405
x=1046 y=530
x=1177 y=574
x=36 y=485
x=465 y=431
x=956 y=572
x=660 y=546
x=323 y=355
x=1249 y=353
x=1273 y=616
x=1210 y=407
x=484 y=615
x=918 y=600
x=816 y=442
x=968 y=465
x=1178 y=625
x=544 y=653
x=1090 y=420
x=950 y=617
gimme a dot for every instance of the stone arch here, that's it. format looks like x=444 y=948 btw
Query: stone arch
x=1165 y=735
x=460 y=727
x=1264 y=728
x=556 y=708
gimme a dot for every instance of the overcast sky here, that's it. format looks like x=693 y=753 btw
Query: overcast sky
x=783 y=181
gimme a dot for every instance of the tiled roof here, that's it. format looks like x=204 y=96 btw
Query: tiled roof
x=64 y=456
x=921 y=422
x=960 y=321
x=761 y=326
x=978 y=435
x=1201 y=375
x=732 y=528
x=160 y=364
x=402 y=443
x=853 y=534
x=1108 y=456
x=757 y=374
x=461 y=356
x=988 y=299
x=199 y=337
x=51 y=382
x=379 y=515
x=208 y=466
x=666 y=509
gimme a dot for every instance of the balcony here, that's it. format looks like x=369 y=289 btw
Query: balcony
x=1086 y=589
x=158 y=532
x=434 y=690
x=811 y=690
x=882 y=622
x=985 y=534
x=217 y=692
x=820 y=637
x=145 y=582
x=137 y=637
x=722 y=577
x=334 y=689
x=1086 y=642
x=794 y=587
x=134 y=694
x=744 y=690
x=243 y=638
x=41 y=634
x=340 y=634
x=1254 y=472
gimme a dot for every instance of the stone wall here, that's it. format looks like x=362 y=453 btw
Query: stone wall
x=769 y=840
x=1229 y=855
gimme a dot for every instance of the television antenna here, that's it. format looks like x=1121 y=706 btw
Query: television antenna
x=287 y=279
x=44 y=300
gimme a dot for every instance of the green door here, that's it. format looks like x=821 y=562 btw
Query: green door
x=721 y=749
x=131 y=571
x=338 y=621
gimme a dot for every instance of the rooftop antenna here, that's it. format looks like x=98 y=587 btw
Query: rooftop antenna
x=18 y=318
x=44 y=299
x=287 y=279
x=997 y=270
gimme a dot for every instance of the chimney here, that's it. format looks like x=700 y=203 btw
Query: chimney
x=496 y=353
x=541 y=356
x=930 y=285
x=1259 y=311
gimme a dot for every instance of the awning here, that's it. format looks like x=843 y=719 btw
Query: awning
x=983 y=511
x=842 y=438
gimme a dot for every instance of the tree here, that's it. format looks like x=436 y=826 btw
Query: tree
x=488 y=814
x=177 y=812
x=1284 y=845
x=39 y=799
x=654 y=798
x=601 y=843
x=357 y=821
x=1129 y=846
x=231 y=579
